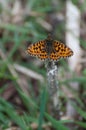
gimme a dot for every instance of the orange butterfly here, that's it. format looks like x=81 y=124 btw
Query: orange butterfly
x=49 y=49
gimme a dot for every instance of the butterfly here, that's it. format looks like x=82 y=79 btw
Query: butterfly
x=49 y=49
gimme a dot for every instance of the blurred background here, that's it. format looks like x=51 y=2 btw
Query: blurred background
x=23 y=78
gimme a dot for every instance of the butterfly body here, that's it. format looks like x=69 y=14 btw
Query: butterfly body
x=49 y=49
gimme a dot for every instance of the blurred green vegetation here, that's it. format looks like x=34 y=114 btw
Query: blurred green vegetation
x=31 y=111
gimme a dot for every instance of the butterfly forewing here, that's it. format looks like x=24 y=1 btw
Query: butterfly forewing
x=37 y=48
x=62 y=50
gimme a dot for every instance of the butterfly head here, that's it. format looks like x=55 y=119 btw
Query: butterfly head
x=49 y=38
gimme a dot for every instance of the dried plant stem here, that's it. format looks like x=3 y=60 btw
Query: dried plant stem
x=53 y=88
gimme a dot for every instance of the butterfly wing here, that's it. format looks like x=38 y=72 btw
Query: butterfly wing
x=54 y=56
x=57 y=50
x=43 y=56
x=38 y=49
x=62 y=49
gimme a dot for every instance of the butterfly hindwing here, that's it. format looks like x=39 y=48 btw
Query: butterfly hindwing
x=54 y=56
x=43 y=56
